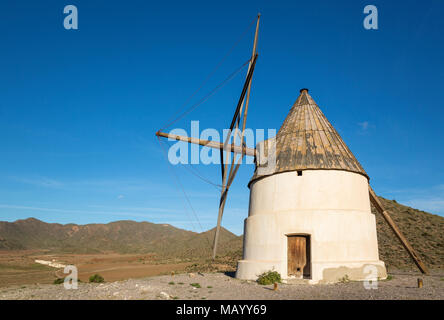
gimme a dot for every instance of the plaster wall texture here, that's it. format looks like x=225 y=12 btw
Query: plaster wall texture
x=331 y=206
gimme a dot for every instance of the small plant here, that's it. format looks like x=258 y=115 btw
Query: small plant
x=269 y=277
x=96 y=278
x=442 y=279
x=344 y=279
x=171 y=283
x=175 y=298
x=389 y=277
x=209 y=287
x=59 y=281
x=196 y=285
x=180 y=283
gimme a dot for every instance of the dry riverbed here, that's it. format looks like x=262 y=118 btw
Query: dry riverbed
x=219 y=286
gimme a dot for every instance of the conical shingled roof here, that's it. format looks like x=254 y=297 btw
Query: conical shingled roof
x=307 y=140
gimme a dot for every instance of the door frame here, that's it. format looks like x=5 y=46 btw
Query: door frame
x=308 y=250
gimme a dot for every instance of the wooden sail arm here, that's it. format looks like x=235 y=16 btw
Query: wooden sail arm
x=244 y=90
x=236 y=119
x=211 y=144
x=380 y=208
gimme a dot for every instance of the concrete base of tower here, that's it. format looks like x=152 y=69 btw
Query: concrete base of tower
x=320 y=222
x=251 y=269
x=344 y=271
x=322 y=272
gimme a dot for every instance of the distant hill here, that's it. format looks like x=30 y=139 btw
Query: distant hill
x=119 y=236
x=424 y=231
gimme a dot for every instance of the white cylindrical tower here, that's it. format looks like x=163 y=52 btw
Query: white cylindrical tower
x=309 y=215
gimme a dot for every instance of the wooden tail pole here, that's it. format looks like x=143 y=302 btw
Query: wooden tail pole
x=210 y=144
x=379 y=207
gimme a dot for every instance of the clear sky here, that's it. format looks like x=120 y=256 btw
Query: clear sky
x=79 y=108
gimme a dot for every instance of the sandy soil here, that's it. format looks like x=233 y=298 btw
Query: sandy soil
x=20 y=268
x=144 y=277
x=219 y=286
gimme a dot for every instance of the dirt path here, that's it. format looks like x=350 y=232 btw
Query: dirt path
x=218 y=286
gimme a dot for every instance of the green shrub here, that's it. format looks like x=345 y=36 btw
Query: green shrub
x=97 y=278
x=59 y=281
x=196 y=285
x=171 y=283
x=269 y=277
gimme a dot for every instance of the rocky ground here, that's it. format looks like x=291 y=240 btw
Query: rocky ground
x=220 y=286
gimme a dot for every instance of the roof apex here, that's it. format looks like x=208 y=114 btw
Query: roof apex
x=308 y=141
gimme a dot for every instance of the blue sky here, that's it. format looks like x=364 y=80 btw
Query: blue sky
x=79 y=108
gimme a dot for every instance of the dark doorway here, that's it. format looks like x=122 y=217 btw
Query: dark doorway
x=298 y=256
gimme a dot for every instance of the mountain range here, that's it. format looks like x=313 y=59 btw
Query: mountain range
x=424 y=231
x=120 y=236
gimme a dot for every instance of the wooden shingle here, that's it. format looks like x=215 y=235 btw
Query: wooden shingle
x=308 y=141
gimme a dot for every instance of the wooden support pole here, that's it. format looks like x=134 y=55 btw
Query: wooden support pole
x=420 y=283
x=380 y=208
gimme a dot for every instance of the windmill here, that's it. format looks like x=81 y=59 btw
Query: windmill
x=301 y=209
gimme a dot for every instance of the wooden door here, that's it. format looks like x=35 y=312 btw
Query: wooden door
x=296 y=255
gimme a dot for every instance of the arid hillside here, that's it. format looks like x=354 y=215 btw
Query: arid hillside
x=121 y=237
x=425 y=232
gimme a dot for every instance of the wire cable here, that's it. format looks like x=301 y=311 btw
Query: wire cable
x=205 y=98
x=184 y=193
x=210 y=75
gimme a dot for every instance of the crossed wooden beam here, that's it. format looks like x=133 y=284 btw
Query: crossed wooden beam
x=231 y=149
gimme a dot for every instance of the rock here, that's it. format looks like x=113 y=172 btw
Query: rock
x=165 y=295
x=144 y=290
x=116 y=293
x=191 y=275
